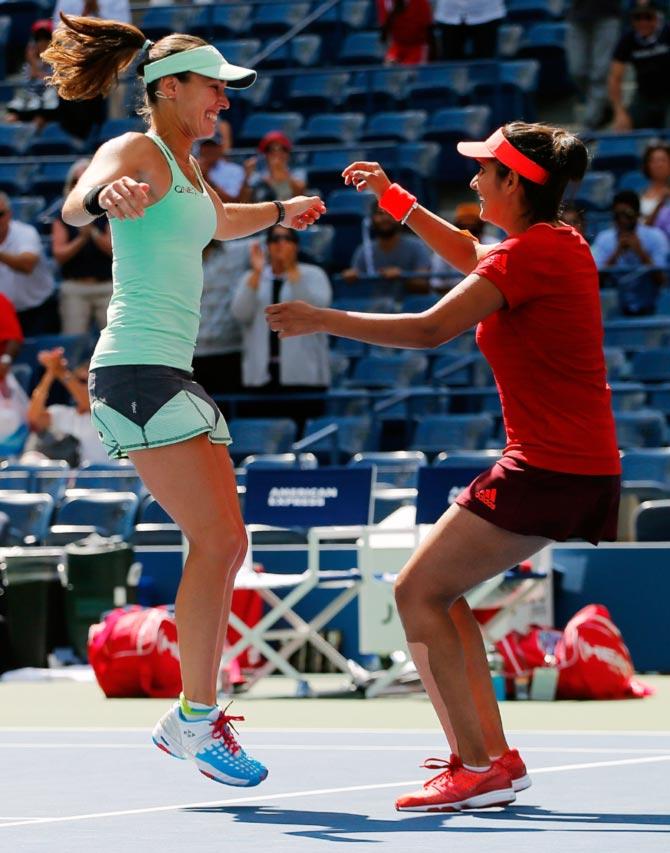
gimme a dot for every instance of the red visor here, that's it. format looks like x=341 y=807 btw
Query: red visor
x=500 y=148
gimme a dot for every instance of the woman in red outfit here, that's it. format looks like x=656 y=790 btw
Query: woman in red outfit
x=534 y=299
x=405 y=26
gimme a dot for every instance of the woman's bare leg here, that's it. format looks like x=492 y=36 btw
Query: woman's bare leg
x=190 y=481
x=461 y=551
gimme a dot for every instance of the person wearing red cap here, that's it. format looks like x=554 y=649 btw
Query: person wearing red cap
x=34 y=101
x=535 y=302
x=276 y=179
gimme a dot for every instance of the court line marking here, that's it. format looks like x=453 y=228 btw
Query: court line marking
x=344 y=731
x=348 y=747
x=560 y=768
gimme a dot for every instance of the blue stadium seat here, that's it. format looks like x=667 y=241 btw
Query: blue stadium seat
x=347 y=401
x=545 y=42
x=642 y=428
x=280 y=460
x=652 y=521
x=332 y=127
x=29 y=517
x=14 y=138
x=114 y=127
x=109 y=479
x=507 y=87
x=397 y=468
x=451 y=125
x=509 y=40
x=398 y=126
x=377 y=89
x=75 y=347
x=255 y=126
x=633 y=180
x=651 y=365
x=415 y=165
x=316 y=244
x=346 y=210
x=651 y=465
x=153 y=513
x=362 y=48
x=527 y=11
x=5 y=27
x=594 y=192
x=609 y=302
x=277 y=17
x=220 y=21
x=616 y=363
x=435 y=433
x=108 y=513
x=14 y=481
x=27 y=208
x=663 y=302
x=303 y=50
x=434 y=88
x=49 y=180
x=458 y=368
x=239 y=51
x=618 y=154
x=635 y=333
x=316 y=92
x=480 y=459
x=162 y=20
x=14 y=179
x=378 y=304
x=261 y=435
x=419 y=302
x=628 y=396
x=354 y=435
x=659 y=398
x=52 y=139
x=397 y=371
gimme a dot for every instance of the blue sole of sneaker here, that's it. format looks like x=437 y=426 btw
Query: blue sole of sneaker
x=237 y=784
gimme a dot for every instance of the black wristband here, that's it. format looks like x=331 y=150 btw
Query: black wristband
x=91 y=204
x=281 y=212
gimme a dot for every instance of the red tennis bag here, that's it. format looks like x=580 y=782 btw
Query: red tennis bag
x=134 y=652
x=593 y=660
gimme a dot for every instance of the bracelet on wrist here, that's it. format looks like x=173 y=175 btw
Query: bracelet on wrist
x=281 y=212
x=397 y=202
x=91 y=203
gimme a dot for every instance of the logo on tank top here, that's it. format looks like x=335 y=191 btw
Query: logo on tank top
x=487 y=497
x=178 y=188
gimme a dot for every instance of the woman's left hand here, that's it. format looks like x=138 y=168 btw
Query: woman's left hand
x=303 y=211
x=367 y=176
x=290 y=319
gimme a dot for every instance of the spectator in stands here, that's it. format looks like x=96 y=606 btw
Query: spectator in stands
x=663 y=221
x=63 y=432
x=632 y=246
x=593 y=31
x=11 y=335
x=268 y=364
x=217 y=364
x=228 y=179
x=656 y=167
x=25 y=278
x=460 y=24
x=646 y=46
x=467 y=218
x=575 y=217
x=35 y=101
x=405 y=27
x=84 y=256
x=392 y=254
x=276 y=179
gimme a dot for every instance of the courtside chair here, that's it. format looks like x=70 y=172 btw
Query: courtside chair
x=397 y=468
x=651 y=521
x=643 y=428
x=435 y=433
x=349 y=435
x=261 y=435
x=155 y=526
x=82 y=512
x=29 y=516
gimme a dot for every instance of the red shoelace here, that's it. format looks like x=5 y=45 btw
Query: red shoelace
x=223 y=728
x=444 y=765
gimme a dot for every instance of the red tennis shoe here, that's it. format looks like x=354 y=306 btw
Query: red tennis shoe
x=456 y=788
x=513 y=764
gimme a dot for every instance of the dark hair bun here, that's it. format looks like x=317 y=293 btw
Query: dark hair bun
x=571 y=156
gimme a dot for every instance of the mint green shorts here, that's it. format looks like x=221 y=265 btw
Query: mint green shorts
x=136 y=406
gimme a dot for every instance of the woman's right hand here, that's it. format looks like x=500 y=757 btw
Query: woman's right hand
x=367 y=176
x=125 y=198
x=291 y=319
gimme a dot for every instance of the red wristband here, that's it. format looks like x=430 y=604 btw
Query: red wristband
x=397 y=201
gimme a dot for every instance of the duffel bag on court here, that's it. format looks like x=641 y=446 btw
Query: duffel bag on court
x=593 y=660
x=134 y=652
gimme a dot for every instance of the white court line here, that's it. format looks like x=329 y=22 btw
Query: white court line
x=309 y=793
x=344 y=731
x=347 y=747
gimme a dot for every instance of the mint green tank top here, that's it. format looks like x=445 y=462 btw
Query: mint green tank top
x=154 y=312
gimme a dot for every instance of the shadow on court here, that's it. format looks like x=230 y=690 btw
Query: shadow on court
x=335 y=826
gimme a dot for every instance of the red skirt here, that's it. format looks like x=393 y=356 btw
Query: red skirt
x=535 y=502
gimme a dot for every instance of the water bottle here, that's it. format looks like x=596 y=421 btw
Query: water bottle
x=522 y=686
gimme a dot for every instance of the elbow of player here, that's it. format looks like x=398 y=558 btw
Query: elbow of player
x=431 y=335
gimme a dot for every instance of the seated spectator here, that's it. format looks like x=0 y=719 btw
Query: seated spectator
x=25 y=277
x=392 y=254
x=663 y=221
x=84 y=256
x=11 y=335
x=275 y=180
x=35 y=101
x=574 y=216
x=13 y=399
x=592 y=34
x=293 y=365
x=632 y=246
x=405 y=27
x=63 y=432
x=656 y=166
x=467 y=28
x=466 y=217
x=217 y=364
x=226 y=178
x=646 y=46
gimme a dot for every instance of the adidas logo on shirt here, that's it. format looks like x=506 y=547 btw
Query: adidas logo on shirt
x=487 y=497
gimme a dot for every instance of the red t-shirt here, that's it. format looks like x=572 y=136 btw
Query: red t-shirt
x=10 y=328
x=545 y=350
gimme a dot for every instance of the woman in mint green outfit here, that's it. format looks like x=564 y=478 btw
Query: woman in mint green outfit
x=144 y=402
